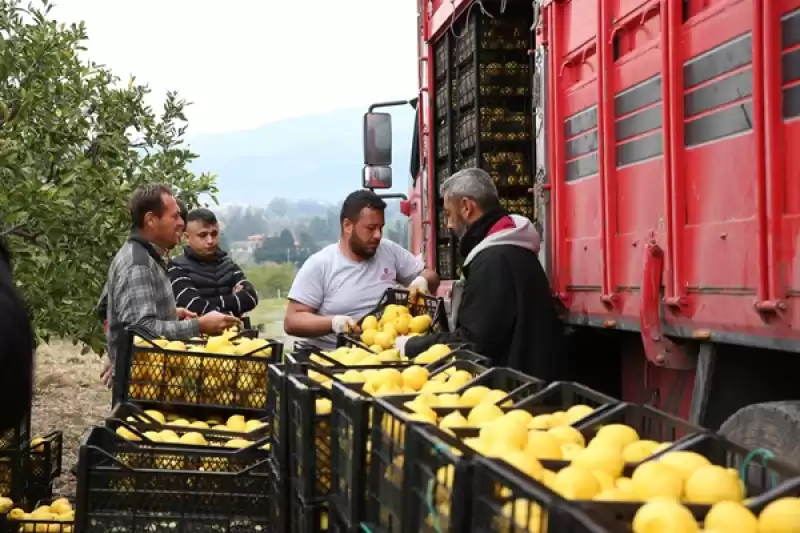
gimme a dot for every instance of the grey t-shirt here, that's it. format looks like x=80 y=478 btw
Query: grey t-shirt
x=335 y=285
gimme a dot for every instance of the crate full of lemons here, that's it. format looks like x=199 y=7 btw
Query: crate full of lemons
x=220 y=371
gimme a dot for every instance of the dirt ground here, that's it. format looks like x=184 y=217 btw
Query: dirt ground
x=69 y=397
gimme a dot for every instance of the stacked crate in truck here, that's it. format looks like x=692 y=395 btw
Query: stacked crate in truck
x=482 y=109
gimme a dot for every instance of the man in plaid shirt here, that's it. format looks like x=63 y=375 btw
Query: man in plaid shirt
x=139 y=289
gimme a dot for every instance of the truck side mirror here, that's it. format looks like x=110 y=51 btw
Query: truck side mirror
x=377 y=177
x=378 y=139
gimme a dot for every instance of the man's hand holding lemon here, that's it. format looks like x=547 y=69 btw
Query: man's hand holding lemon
x=416 y=289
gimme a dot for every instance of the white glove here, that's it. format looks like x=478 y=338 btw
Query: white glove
x=343 y=324
x=400 y=344
x=420 y=284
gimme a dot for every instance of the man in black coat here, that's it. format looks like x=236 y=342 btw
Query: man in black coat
x=16 y=350
x=503 y=304
x=204 y=278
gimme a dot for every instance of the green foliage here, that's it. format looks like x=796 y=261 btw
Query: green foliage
x=74 y=143
x=270 y=279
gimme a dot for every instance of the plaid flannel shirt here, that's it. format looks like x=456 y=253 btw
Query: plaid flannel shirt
x=140 y=294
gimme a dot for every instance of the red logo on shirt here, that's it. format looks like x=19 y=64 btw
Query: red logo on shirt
x=387 y=275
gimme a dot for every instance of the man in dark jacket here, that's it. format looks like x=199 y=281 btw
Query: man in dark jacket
x=503 y=304
x=16 y=350
x=204 y=278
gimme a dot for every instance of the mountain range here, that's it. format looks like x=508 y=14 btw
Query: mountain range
x=317 y=158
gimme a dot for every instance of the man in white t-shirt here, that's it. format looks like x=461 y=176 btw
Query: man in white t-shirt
x=343 y=282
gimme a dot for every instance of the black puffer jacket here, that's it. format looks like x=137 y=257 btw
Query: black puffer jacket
x=16 y=350
x=203 y=285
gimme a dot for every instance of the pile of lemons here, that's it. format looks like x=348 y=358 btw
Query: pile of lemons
x=380 y=334
x=410 y=380
x=58 y=512
x=595 y=472
x=668 y=515
x=193 y=377
x=355 y=356
x=179 y=430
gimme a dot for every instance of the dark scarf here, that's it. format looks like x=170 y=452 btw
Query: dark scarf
x=477 y=231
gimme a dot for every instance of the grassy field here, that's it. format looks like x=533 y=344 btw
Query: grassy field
x=270 y=313
x=70 y=397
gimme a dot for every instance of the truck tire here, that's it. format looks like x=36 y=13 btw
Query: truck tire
x=774 y=426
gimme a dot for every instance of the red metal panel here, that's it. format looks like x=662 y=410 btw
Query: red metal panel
x=705 y=203
x=442 y=13
x=701 y=202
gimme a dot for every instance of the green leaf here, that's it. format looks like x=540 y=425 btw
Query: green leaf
x=68 y=166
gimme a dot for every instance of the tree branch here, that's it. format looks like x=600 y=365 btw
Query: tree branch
x=17 y=230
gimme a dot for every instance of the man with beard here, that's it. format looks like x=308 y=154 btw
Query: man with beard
x=344 y=281
x=503 y=304
x=204 y=278
x=139 y=289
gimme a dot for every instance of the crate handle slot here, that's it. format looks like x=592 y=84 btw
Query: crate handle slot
x=112 y=458
x=243 y=332
x=270 y=344
x=138 y=412
x=129 y=427
x=252 y=466
x=144 y=333
x=598 y=414
x=352 y=340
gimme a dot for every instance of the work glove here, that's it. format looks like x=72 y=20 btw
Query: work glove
x=343 y=324
x=400 y=344
x=420 y=284
x=416 y=288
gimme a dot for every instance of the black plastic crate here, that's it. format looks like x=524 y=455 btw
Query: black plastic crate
x=350 y=438
x=441 y=57
x=508 y=169
x=349 y=446
x=649 y=423
x=15 y=437
x=11 y=460
x=45 y=466
x=337 y=524
x=280 y=500
x=309 y=439
x=517 y=385
x=310 y=518
x=438 y=477
x=278 y=414
x=137 y=486
x=507 y=500
x=14 y=460
x=560 y=396
x=425 y=305
x=387 y=484
x=151 y=373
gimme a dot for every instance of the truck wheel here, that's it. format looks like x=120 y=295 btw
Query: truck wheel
x=774 y=426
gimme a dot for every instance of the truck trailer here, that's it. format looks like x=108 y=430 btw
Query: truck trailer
x=656 y=145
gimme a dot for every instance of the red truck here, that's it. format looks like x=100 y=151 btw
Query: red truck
x=652 y=142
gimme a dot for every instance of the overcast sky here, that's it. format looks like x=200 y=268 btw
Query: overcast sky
x=245 y=63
